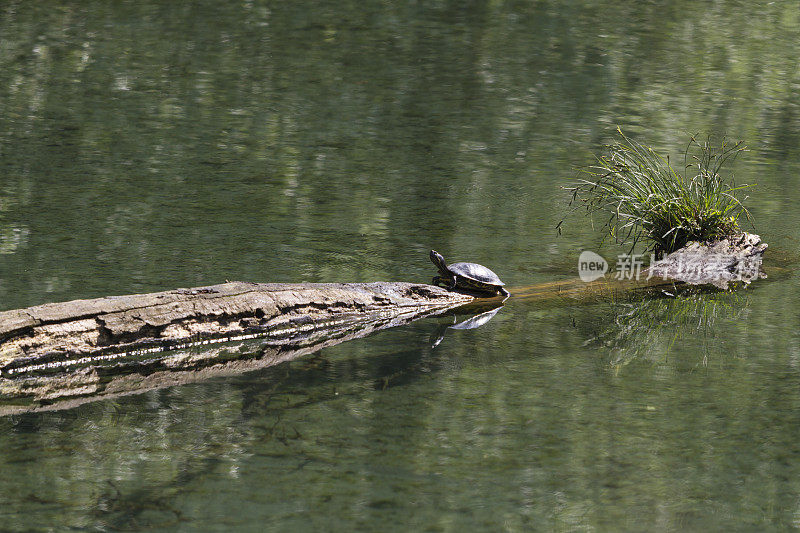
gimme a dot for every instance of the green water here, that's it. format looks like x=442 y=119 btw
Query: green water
x=151 y=145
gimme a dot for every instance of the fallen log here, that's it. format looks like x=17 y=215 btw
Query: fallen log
x=62 y=335
x=64 y=387
x=58 y=334
x=61 y=354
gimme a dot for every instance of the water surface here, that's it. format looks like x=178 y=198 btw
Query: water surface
x=148 y=145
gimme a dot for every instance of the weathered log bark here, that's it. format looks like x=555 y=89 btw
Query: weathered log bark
x=63 y=387
x=59 y=335
x=737 y=259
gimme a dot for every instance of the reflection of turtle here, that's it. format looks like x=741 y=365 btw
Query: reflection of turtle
x=470 y=276
x=477 y=320
x=472 y=322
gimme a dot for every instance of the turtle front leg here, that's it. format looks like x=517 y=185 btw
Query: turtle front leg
x=453 y=283
x=504 y=292
x=449 y=283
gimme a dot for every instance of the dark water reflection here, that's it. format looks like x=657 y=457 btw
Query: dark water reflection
x=150 y=145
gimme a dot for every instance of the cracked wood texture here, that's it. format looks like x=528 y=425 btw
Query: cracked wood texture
x=85 y=327
x=78 y=385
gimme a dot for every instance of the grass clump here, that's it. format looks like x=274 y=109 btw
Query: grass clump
x=648 y=200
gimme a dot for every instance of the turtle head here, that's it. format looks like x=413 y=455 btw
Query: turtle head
x=438 y=260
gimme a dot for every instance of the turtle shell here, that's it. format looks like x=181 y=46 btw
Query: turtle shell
x=475 y=272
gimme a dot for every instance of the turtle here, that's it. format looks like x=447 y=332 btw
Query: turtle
x=470 y=276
